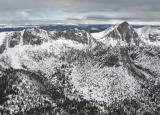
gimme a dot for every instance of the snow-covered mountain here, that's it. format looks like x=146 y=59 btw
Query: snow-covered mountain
x=122 y=34
x=75 y=72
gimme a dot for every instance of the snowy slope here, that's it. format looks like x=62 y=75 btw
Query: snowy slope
x=26 y=52
x=102 y=34
x=149 y=35
x=2 y=37
x=145 y=31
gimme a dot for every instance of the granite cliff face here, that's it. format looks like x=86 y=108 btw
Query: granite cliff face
x=73 y=72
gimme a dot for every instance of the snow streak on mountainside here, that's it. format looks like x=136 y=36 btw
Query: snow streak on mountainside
x=74 y=72
x=2 y=36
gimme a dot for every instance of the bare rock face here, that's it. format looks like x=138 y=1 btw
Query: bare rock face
x=125 y=33
x=34 y=36
x=14 y=39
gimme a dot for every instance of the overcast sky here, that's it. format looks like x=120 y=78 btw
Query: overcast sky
x=79 y=11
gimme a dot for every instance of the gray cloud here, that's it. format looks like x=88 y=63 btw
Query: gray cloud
x=126 y=16
x=14 y=11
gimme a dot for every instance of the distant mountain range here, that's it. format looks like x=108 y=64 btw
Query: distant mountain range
x=107 y=70
x=52 y=27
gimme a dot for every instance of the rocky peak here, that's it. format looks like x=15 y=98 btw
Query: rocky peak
x=126 y=33
x=124 y=24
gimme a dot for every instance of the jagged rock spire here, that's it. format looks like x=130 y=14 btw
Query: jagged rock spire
x=125 y=32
